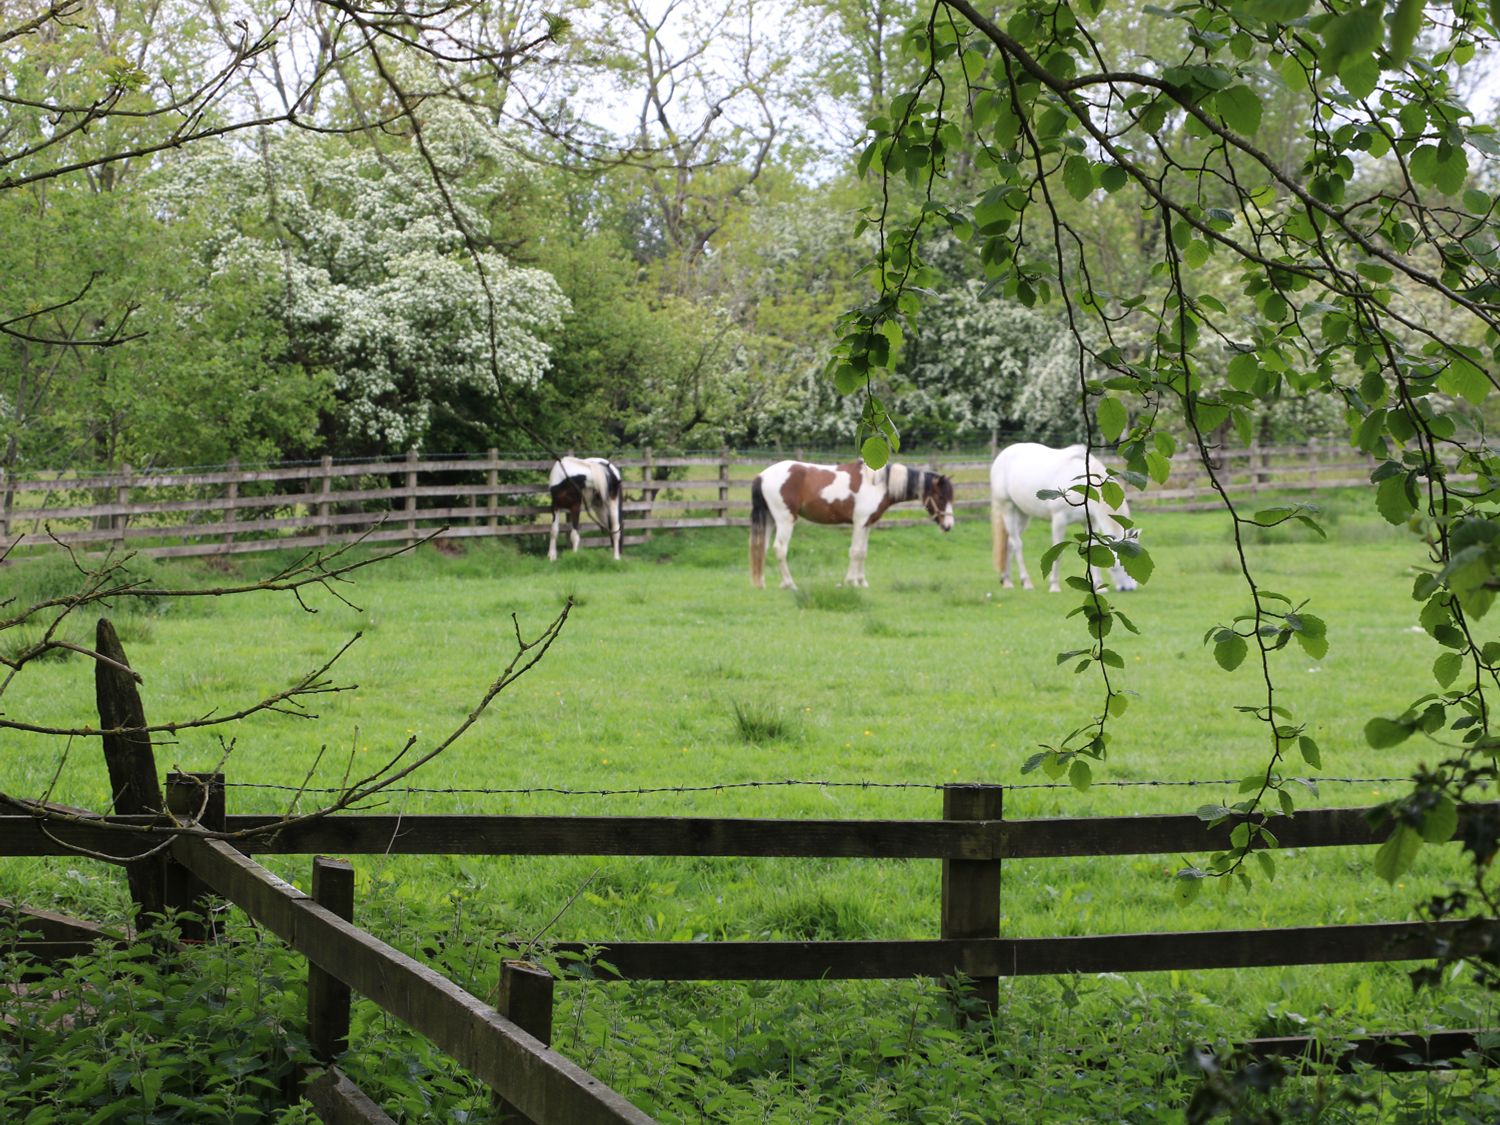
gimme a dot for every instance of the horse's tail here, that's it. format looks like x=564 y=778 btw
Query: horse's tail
x=615 y=498
x=760 y=519
x=1000 y=536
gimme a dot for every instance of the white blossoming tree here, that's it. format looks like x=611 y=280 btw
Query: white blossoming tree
x=374 y=281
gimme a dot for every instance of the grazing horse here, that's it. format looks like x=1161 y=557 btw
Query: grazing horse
x=836 y=494
x=1018 y=474
x=585 y=482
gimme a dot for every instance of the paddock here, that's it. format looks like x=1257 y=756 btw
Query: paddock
x=939 y=678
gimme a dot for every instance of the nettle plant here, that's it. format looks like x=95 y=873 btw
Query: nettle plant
x=1235 y=204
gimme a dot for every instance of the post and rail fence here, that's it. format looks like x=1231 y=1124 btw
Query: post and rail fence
x=506 y=1045
x=234 y=509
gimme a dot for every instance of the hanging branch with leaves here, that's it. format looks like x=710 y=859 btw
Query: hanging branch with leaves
x=1356 y=261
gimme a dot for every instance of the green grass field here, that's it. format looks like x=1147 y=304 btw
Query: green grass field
x=672 y=671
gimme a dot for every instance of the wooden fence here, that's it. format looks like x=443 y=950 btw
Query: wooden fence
x=307 y=506
x=972 y=841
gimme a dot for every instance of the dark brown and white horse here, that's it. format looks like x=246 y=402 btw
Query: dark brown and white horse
x=586 y=482
x=836 y=494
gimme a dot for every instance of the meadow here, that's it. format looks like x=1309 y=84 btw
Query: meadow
x=671 y=671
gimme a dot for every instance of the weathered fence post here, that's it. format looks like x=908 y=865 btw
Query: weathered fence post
x=128 y=756
x=411 y=496
x=325 y=505
x=526 y=1000
x=971 y=887
x=327 y=996
x=492 y=484
x=724 y=484
x=193 y=798
x=231 y=494
x=648 y=476
x=122 y=505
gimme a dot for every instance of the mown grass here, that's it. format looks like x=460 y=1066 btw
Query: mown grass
x=672 y=672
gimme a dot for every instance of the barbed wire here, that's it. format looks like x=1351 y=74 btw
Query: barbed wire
x=787 y=783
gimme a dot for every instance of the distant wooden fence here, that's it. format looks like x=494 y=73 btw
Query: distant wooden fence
x=233 y=510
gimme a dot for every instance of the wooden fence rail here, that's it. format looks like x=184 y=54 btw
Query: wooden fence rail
x=374 y=834
x=536 y=1080
x=300 y=506
x=972 y=836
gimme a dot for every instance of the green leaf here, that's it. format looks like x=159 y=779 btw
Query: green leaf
x=1112 y=418
x=1355 y=34
x=1445 y=669
x=1452 y=168
x=1138 y=565
x=1404 y=27
x=1441 y=822
x=1112 y=177
x=875 y=451
x=1230 y=650
x=1394 y=499
x=1382 y=734
x=1360 y=75
x=1080 y=777
x=1394 y=857
x=1309 y=751
x=1078 y=177
x=1466 y=379
x=1240 y=108
x=1187 y=884
x=1311 y=633
x=1267 y=864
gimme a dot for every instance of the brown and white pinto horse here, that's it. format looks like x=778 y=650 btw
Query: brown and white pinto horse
x=836 y=494
x=586 y=482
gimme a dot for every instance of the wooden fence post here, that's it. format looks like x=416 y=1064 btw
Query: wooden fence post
x=231 y=494
x=971 y=887
x=327 y=996
x=122 y=500
x=724 y=484
x=492 y=483
x=128 y=756
x=325 y=504
x=525 y=999
x=411 y=496
x=193 y=798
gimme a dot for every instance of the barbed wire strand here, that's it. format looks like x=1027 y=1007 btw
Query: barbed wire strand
x=787 y=783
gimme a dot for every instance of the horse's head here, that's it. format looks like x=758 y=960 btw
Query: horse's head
x=937 y=498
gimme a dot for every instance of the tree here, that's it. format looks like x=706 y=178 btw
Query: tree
x=372 y=282
x=1364 y=251
x=98 y=95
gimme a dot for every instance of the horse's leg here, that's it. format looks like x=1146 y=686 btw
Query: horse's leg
x=859 y=547
x=552 y=539
x=1007 y=519
x=1015 y=522
x=573 y=527
x=783 y=541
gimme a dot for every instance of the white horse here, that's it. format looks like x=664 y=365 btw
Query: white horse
x=1026 y=468
x=836 y=494
x=585 y=482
